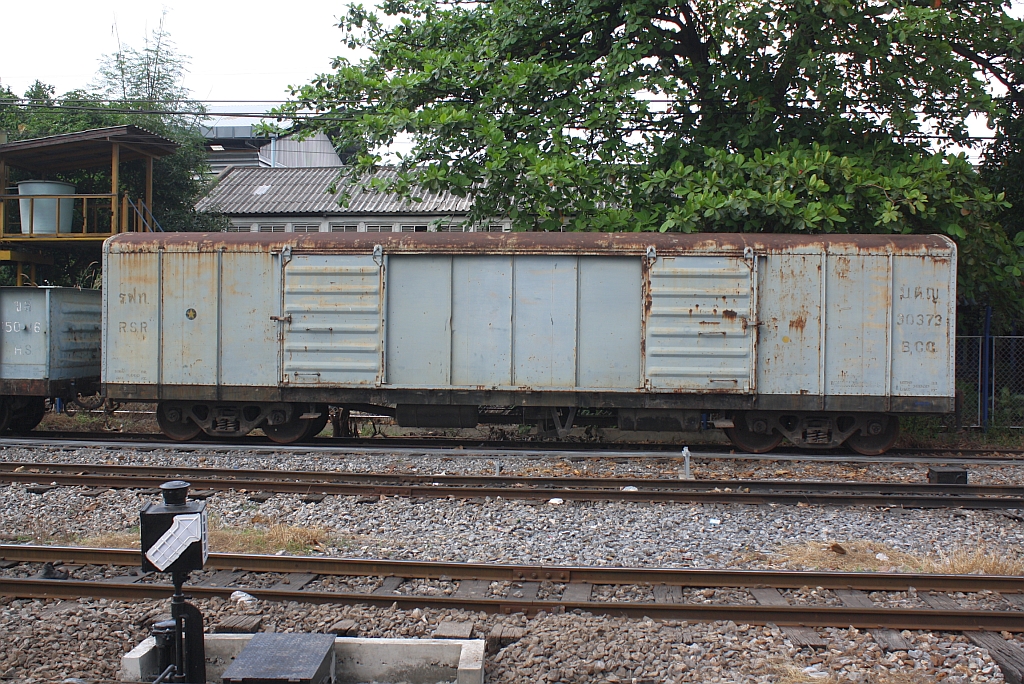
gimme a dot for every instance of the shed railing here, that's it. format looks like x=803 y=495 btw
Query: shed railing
x=93 y=216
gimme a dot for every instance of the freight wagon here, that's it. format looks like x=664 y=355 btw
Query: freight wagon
x=49 y=348
x=822 y=340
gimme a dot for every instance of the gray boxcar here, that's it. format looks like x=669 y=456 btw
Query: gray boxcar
x=822 y=340
x=49 y=347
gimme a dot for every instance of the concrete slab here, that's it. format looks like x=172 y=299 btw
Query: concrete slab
x=417 y=661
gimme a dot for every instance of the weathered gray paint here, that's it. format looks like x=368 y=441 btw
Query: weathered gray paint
x=610 y=317
x=418 y=321
x=544 y=353
x=699 y=333
x=499 y=318
x=482 y=321
x=332 y=320
x=49 y=333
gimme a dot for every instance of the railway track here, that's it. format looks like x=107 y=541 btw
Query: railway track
x=535 y=588
x=909 y=495
x=476 y=448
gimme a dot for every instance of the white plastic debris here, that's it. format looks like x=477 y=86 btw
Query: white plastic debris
x=556 y=501
x=714 y=521
x=630 y=488
x=881 y=557
x=242 y=597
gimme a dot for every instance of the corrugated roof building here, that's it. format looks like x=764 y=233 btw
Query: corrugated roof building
x=284 y=200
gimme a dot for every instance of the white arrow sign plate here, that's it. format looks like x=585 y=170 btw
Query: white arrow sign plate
x=186 y=530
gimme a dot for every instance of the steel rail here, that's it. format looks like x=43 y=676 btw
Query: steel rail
x=652 y=494
x=808 y=616
x=653 y=449
x=689 y=577
x=25 y=469
x=498 y=450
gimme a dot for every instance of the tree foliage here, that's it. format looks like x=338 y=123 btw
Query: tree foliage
x=687 y=115
x=140 y=87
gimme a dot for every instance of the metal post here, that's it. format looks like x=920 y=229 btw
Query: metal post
x=115 y=167
x=986 y=367
x=178 y=615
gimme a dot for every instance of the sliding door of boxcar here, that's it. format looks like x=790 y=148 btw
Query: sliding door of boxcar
x=699 y=332
x=536 y=322
x=331 y=320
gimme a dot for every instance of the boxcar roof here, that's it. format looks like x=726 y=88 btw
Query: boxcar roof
x=522 y=242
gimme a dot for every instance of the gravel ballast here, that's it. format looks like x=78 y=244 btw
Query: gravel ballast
x=48 y=641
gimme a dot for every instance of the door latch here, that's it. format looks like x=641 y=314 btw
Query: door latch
x=282 y=319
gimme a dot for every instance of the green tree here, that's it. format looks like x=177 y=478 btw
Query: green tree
x=140 y=87
x=688 y=115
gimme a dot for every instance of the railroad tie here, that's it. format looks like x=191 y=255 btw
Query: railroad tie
x=294 y=581
x=800 y=636
x=889 y=639
x=668 y=593
x=473 y=589
x=1008 y=655
x=577 y=592
x=221 y=578
x=530 y=591
x=388 y=586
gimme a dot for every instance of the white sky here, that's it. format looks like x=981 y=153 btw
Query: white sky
x=238 y=51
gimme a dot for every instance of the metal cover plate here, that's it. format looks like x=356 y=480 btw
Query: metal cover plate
x=271 y=657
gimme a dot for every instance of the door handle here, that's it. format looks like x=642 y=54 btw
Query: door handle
x=282 y=319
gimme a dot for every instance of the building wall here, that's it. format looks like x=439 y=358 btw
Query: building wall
x=361 y=224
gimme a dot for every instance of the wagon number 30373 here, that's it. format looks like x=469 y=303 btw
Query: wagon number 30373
x=919 y=319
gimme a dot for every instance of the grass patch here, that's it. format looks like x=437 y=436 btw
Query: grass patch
x=791 y=673
x=862 y=556
x=287 y=538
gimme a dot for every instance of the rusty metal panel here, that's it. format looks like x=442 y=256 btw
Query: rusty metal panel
x=418 y=320
x=49 y=333
x=789 y=344
x=923 y=325
x=699 y=335
x=544 y=327
x=249 y=290
x=331 y=320
x=189 y=325
x=482 y=321
x=131 y=288
x=610 y=311
x=856 y=330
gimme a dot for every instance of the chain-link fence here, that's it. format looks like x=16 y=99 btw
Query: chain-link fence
x=990 y=381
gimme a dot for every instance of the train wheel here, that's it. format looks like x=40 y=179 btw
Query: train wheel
x=174 y=423
x=317 y=425
x=292 y=431
x=26 y=413
x=752 y=442
x=886 y=429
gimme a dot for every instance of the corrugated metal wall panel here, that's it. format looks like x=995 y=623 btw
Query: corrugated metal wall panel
x=75 y=326
x=789 y=340
x=190 y=319
x=250 y=286
x=131 y=349
x=697 y=333
x=857 y=315
x=544 y=347
x=333 y=335
x=610 y=317
x=419 y=334
x=482 y=321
